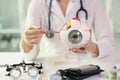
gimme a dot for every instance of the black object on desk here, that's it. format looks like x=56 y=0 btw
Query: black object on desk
x=79 y=73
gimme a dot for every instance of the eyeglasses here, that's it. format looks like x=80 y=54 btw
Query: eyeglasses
x=15 y=71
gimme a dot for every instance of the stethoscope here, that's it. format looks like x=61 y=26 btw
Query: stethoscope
x=50 y=32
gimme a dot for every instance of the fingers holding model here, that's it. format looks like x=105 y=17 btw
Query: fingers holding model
x=77 y=35
x=90 y=47
x=32 y=36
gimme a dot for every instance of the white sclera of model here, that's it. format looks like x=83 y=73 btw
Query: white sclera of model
x=76 y=35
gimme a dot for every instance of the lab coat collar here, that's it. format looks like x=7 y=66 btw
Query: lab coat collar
x=54 y=6
x=48 y=1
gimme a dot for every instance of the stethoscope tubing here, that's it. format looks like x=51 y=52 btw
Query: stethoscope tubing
x=50 y=32
x=49 y=15
x=77 y=14
x=82 y=9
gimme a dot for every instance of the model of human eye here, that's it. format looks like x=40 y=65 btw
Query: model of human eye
x=75 y=33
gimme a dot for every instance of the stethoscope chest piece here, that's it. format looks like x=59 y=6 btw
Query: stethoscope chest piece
x=50 y=34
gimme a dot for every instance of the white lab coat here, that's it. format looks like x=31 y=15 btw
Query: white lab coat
x=97 y=21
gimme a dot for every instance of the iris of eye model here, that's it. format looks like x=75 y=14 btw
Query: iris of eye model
x=75 y=36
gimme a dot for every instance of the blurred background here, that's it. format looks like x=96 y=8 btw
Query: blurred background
x=12 y=19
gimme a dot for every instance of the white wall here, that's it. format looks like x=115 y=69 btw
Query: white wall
x=9 y=14
x=116 y=15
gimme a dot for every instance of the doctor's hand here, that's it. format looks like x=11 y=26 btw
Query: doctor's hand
x=90 y=47
x=31 y=37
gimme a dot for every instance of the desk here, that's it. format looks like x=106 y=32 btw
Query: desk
x=12 y=58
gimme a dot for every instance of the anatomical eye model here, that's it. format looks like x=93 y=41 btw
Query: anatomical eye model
x=75 y=33
x=15 y=71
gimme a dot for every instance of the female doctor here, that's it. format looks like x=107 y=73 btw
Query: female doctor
x=35 y=42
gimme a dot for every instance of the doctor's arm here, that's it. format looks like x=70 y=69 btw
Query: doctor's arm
x=33 y=32
x=103 y=33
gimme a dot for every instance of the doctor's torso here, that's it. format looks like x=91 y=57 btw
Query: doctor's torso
x=53 y=50
x=38 y=15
